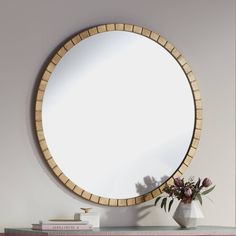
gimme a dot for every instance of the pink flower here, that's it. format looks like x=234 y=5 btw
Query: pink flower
x=188 y=192
x=178 y=182
x=206 y=182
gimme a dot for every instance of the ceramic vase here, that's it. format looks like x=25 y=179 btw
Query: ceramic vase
x=188 y=214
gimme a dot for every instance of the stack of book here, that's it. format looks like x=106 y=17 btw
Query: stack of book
x=63 y=224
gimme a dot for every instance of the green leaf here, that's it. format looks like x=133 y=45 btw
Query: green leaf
x=208 y=190
x=170 y=204
x=163 y=203
x=198 y=183
x=156 y=201
x=199 y=197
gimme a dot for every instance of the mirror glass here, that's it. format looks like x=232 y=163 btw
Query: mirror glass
x=118 y=114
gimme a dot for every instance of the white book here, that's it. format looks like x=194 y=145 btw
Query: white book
x=63 y=221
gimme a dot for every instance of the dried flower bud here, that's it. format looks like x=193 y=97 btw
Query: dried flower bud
x=147 y=180
x=188 y=192
x=206 y=182
x=178 y=182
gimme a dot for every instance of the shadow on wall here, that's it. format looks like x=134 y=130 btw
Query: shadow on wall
x=125 y=216
x=133 y=215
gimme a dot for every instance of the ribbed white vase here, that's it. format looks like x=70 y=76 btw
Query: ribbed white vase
x=188 y=214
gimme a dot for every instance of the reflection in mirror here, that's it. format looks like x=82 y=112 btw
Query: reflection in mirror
x=149 y=183
x=118 y=115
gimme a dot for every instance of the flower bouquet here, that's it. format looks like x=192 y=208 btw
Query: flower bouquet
x=186 y=192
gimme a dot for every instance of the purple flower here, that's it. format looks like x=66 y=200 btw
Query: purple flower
x=178 y=182
x=206 y=182
x=188 y=192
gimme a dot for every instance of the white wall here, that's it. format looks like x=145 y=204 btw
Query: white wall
x=203 y=30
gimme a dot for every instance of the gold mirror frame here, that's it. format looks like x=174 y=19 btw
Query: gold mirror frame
x=38 y=113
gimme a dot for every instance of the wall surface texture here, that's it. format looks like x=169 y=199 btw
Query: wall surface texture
x=203 y=30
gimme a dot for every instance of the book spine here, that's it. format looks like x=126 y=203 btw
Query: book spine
x=65 y=227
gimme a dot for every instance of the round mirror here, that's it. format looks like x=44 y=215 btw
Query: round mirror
x=118 y=114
